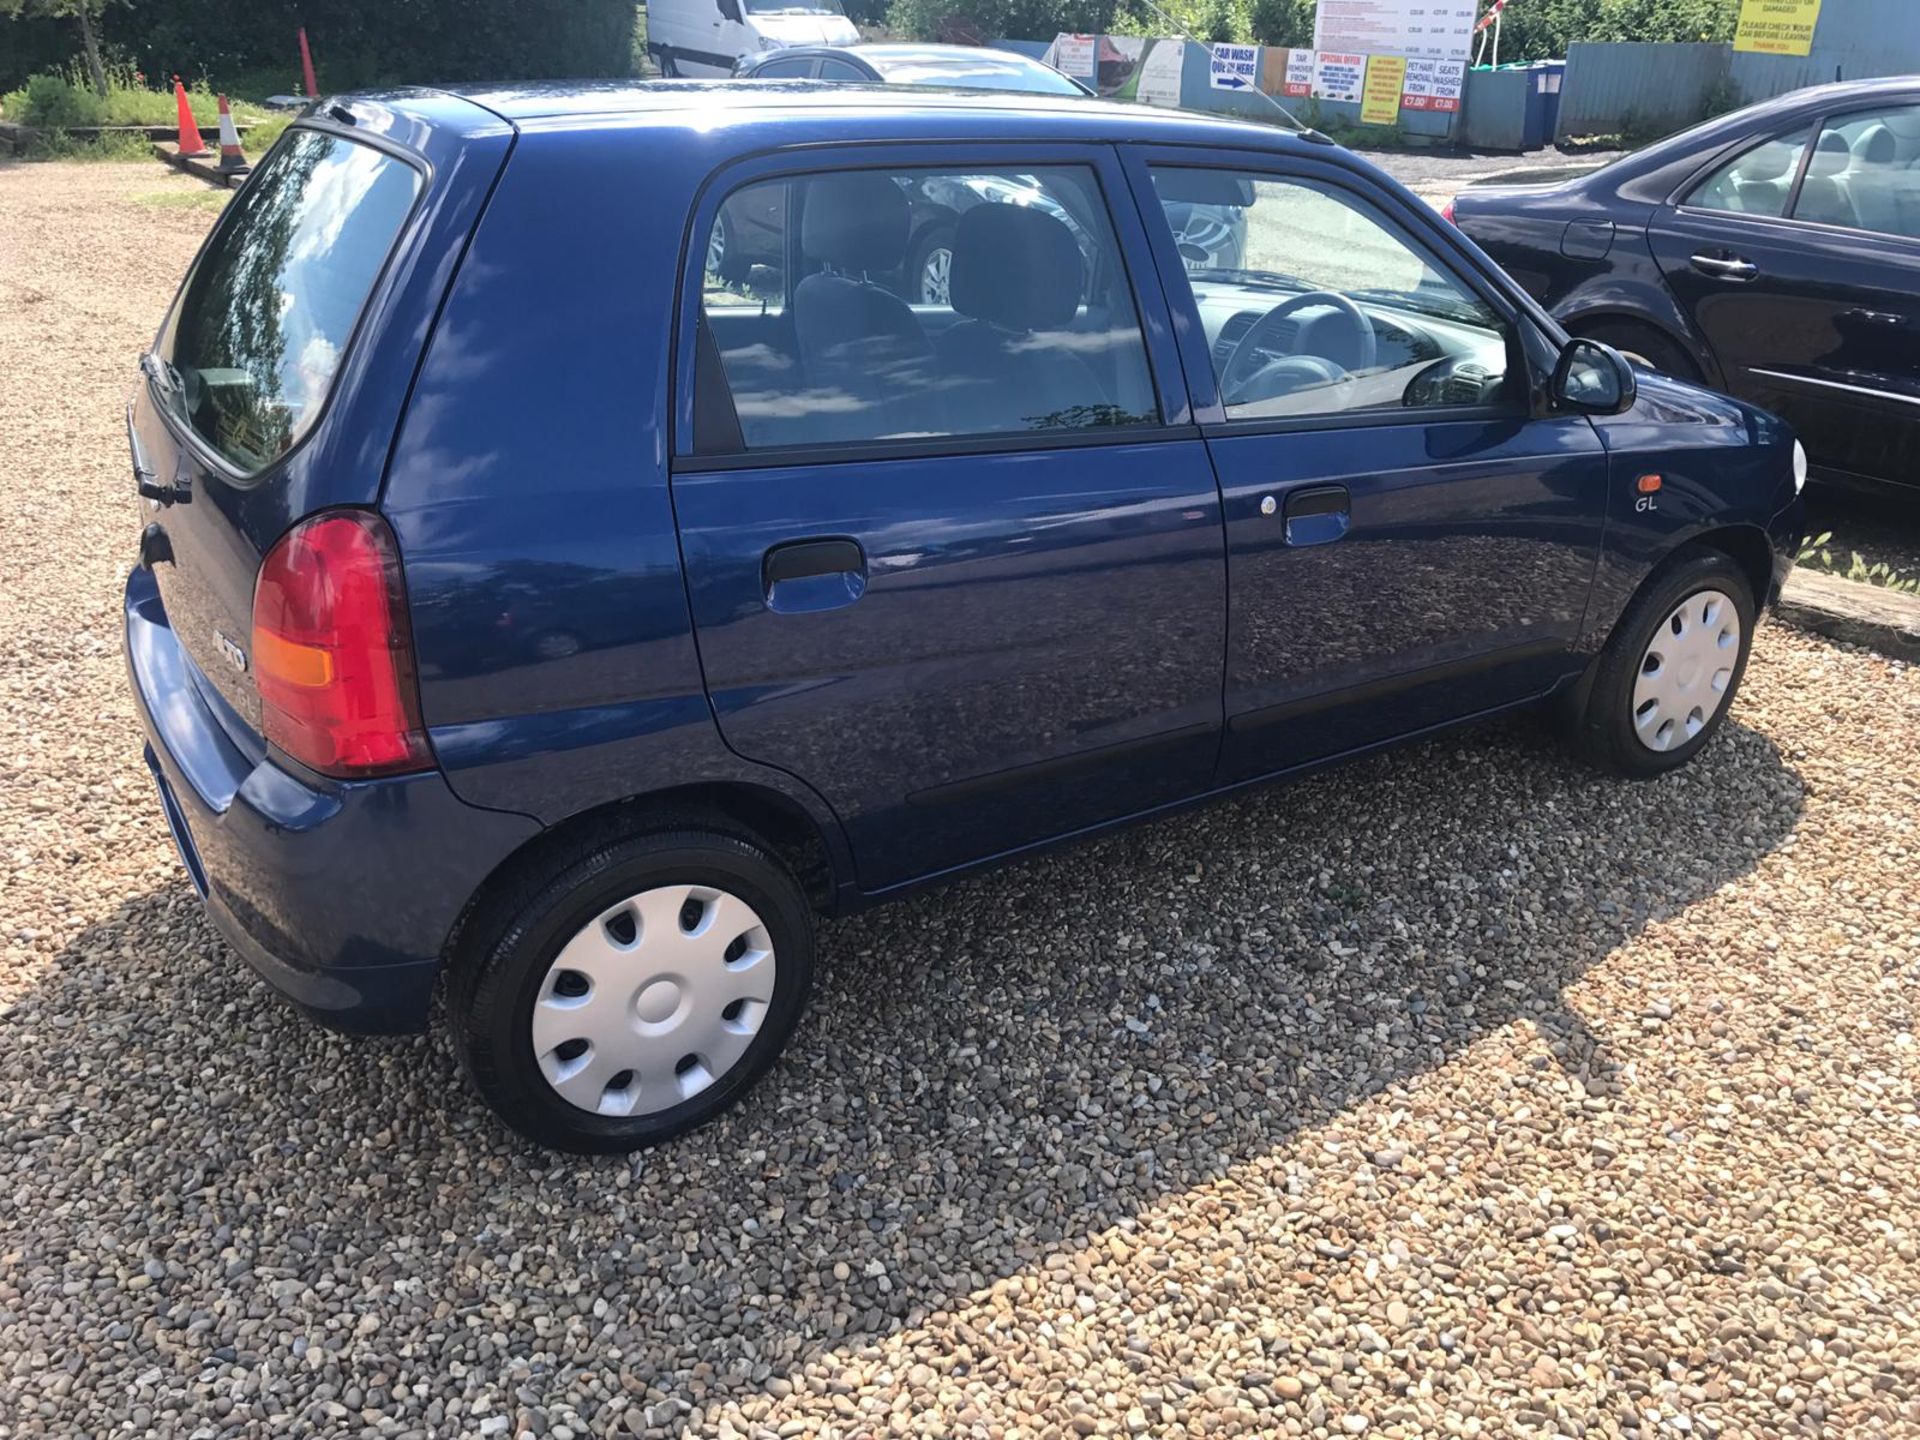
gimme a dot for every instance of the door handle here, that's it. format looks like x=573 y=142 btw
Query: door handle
x=1725 y=269
x=1886 y=319
x=1316 y=514
x=805 y=575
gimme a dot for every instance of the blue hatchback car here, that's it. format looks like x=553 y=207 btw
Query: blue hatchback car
x=522 y=604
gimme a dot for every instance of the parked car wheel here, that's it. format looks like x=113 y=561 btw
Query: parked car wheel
x=723 y=256
x=930 y=269
x=1670 y=671
x=634 y=989
x=1645 y=347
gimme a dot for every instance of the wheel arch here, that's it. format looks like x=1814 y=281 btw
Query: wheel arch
x=1585 y=322
x=753 y=812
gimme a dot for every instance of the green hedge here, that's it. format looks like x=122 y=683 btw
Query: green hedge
x=355 y=43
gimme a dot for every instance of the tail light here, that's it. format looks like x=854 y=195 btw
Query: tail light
x=332 y=655
x=1446 y=213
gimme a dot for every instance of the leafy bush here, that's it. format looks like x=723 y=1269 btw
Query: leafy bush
x=354 y=44
x=53 y=102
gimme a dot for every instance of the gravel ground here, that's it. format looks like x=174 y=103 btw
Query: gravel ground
x=1455 y=1092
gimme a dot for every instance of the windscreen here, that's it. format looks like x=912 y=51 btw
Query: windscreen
x=256 y=336
x=981 y=70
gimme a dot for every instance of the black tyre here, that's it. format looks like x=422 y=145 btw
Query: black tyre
x=1669 y=673
x=681 y=958
x=1645 y=346
x=930 y=267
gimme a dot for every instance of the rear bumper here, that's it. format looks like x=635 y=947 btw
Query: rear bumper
x=341 y=895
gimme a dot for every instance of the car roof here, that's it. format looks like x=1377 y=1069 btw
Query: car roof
x=866 y=112
x=1652 y=174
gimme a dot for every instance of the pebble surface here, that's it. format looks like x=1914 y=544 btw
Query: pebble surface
x=1458 y=1091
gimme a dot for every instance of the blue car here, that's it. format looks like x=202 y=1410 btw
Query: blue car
x=521 y=604
x=1773 y=253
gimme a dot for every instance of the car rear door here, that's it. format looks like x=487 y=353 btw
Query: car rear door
x=960 y=572
x=1408 y=542
x=276 y=382
x=1804 y=276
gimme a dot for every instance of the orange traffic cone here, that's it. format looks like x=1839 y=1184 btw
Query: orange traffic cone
x=232 y=161
x=189 y=129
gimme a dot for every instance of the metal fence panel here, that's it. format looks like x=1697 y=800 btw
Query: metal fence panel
x=1637 y=85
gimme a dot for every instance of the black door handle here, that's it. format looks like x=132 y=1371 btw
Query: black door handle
x=1316 y=514
x=1317 y=500
x=801 y=558
x=1888 y=319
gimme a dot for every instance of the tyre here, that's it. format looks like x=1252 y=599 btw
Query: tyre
x=1645 y=347
x=1669 y=672
x=633 y=988
x=930 y=267
x=723 y=256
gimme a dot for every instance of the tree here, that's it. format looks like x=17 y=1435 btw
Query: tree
x=85 y=13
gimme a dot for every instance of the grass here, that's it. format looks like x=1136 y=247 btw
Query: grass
x=53 y=104
x=1817 y=554
x=200 y=197
x=62 y=100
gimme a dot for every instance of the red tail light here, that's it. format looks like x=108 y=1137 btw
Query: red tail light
x=332 y=655
x=1446 y=213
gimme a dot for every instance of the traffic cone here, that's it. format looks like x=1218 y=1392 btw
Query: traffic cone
x=189 y=129
x=232 y=161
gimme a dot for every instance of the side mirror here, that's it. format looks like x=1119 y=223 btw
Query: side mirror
x=1594 y=378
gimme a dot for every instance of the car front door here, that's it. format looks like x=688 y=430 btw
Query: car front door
x=1799 y=261
x=1407 y=542
x=960 y=572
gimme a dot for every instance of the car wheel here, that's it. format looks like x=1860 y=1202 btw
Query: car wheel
x=1669 y=673
x=633 y=989
x=1646 y=347
x=930 y=270
x=723 y=256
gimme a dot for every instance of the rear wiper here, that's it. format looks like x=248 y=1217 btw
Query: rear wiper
x=159 y=369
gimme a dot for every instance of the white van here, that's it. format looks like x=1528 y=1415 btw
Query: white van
x=705 y=37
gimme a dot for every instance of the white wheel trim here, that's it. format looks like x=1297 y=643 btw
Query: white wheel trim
x=1686 y=670
x=633 y=1027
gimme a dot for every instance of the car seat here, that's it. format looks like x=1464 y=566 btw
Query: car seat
x=1018 y=278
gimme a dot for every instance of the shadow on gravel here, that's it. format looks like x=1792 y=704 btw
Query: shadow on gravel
x=985 y=1072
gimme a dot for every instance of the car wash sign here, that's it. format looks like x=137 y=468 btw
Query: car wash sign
x=1235 y=67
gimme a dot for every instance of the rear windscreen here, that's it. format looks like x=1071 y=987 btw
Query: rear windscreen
x=259 y=328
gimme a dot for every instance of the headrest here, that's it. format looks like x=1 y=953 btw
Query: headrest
x=856 y=221
x=1015 y=267
x=1876 y=146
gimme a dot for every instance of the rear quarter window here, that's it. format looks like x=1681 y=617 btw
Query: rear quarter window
x=258 y=332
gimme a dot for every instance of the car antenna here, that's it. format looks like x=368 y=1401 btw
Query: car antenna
x=1306 y=132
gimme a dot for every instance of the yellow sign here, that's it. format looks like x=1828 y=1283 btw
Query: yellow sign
x=1777 y=27
x=1380 y=98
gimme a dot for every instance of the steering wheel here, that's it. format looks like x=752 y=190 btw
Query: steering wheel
x=1248 y=376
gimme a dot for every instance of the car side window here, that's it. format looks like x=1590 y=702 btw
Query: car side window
x=1865 y=173
x=795 y=69
x=1758 y=181
x=927 y=303
x=1315 y=303
x=832 y=69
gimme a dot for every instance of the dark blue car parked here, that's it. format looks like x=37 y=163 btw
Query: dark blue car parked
x=520 y=603
x=1773 y=253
